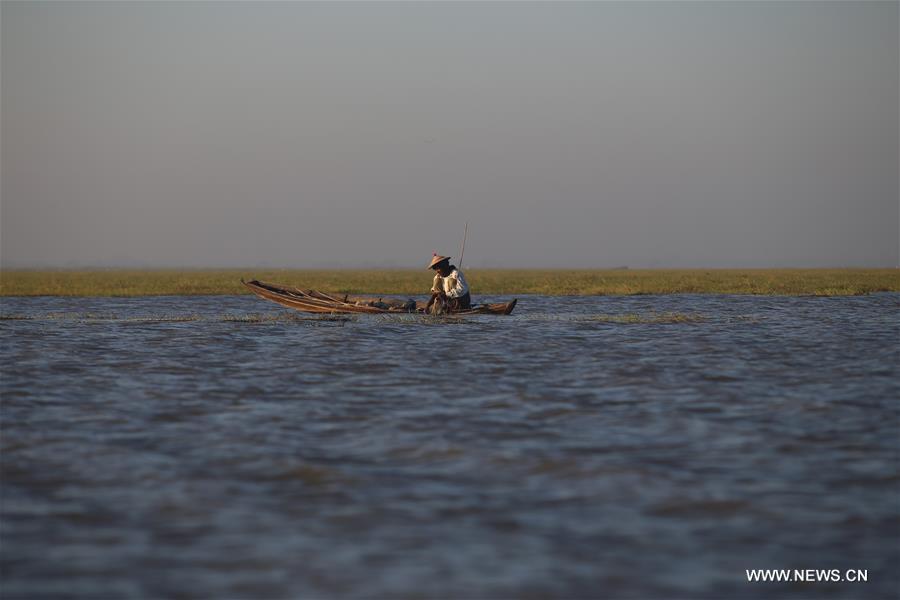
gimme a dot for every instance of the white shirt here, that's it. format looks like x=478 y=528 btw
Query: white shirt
x=454 y=285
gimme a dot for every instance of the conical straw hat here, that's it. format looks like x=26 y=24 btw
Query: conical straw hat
x=437 y=258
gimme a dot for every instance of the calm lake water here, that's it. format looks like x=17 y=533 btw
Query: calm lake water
x=544 y=454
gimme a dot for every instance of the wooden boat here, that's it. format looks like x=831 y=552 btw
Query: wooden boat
x=319 y=302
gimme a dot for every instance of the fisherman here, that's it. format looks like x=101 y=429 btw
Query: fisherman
x=449 y=291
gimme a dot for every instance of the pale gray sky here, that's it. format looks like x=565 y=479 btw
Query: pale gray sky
x=671 y=134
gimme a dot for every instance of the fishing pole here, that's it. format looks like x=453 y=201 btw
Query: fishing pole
x=462 y=248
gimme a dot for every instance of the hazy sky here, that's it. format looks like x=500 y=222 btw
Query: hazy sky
x=669 y=134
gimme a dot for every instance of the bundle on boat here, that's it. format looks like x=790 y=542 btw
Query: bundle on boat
x=320 y=302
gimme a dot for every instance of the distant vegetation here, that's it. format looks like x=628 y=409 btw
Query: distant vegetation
x=824 y=282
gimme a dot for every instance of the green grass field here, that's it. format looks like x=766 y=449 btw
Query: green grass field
x=825 y=282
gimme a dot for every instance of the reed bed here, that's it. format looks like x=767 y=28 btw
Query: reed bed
x=821 y=282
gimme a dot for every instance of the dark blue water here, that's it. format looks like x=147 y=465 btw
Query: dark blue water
x=184 y=448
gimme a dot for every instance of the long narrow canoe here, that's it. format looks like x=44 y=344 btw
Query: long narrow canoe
x=319 y=302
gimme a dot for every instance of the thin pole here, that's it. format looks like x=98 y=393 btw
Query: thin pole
x=463 y=247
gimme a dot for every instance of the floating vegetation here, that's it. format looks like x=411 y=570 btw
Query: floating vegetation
x=59 y=316
x=422 y=319
x=748 y=319
x=172 y=319
x=387 y=319
x=651 y=318
x=250 y=318
x=286 y=318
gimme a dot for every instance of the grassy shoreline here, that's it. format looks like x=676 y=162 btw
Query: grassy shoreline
x=557 y=282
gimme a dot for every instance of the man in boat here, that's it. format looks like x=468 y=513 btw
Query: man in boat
x=449 y=291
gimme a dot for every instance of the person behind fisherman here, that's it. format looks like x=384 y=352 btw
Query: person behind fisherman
x=449 y=291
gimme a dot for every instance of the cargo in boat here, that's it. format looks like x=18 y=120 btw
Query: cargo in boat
x=320 y=302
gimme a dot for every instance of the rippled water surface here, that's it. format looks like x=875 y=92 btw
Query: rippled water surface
x=581 y=447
